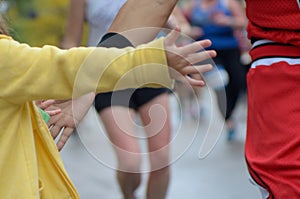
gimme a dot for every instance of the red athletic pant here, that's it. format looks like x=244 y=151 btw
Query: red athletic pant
x=273 y=128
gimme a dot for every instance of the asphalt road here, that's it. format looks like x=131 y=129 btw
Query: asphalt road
x=204 y=164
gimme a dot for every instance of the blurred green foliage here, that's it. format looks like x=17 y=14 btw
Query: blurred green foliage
x=37 y=22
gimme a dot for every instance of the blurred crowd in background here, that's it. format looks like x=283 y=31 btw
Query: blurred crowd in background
x=36 y=22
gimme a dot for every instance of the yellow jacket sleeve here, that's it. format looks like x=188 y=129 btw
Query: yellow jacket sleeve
x=31 y=73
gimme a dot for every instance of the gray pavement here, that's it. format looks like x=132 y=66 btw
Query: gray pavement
x=202 y=165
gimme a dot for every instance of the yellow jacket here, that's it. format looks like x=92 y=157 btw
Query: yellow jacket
x=30 y=165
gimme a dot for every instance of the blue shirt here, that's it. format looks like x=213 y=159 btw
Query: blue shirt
x=222 y=37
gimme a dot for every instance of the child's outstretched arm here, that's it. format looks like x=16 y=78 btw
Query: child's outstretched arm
x=138 y=22
x=179 y=59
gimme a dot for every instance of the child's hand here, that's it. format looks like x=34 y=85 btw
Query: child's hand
x=48 y=107
x=72 y=112
x=181 y=59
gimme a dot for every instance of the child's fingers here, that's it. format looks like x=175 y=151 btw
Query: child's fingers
x=38 y=103
x=45 y=104
x=196 y=69
x=172 y=37
x=200 y=56
x=194 y=82
x=54 y=130
x=65 y=135
x=53 y=112
x=195 y=47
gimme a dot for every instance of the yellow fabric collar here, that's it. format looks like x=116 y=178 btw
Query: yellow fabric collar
x=5 y=37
